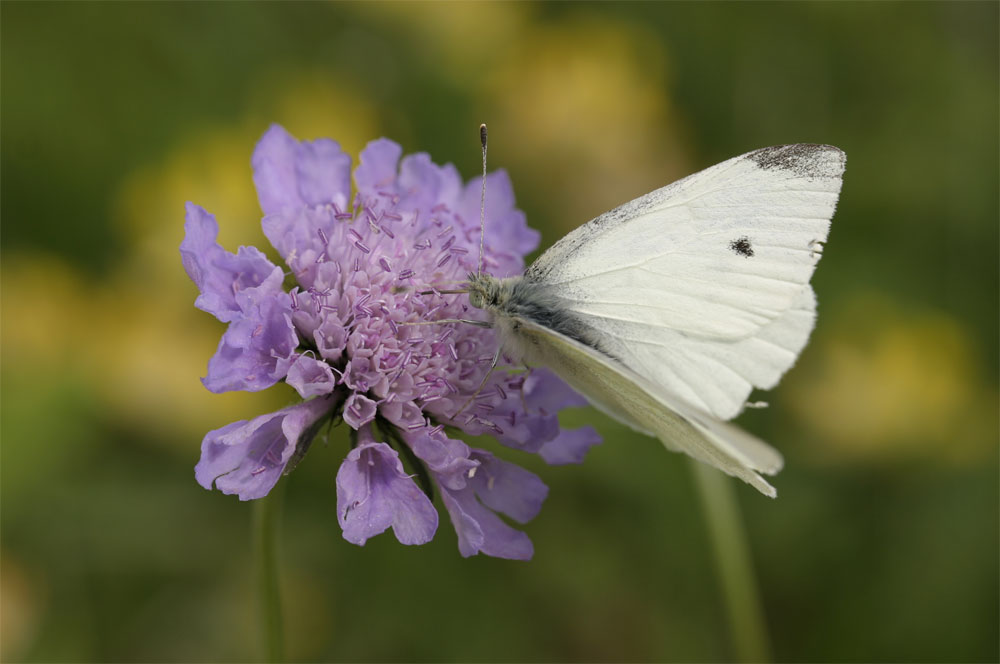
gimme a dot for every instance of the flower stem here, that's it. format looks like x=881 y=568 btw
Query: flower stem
x=733 y=563
x=266 y=523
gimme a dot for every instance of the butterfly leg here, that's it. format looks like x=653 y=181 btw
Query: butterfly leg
x=493 y=365
x=477 y=323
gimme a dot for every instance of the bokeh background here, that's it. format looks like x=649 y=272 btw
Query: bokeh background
x=883 y=544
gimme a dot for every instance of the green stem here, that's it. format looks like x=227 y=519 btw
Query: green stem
x=733 y=563
x=266 y=524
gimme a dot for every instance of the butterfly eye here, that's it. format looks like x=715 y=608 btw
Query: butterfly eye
x=476 y=299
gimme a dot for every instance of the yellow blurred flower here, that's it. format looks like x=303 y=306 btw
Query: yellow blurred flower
x=22 y=602
x=589 y=103
x=887 y=384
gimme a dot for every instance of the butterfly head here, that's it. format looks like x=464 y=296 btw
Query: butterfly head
x=486 y=291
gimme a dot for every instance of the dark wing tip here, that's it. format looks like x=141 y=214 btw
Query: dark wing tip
x=802 y=159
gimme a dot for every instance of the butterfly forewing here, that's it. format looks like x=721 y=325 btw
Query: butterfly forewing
x=701 y=287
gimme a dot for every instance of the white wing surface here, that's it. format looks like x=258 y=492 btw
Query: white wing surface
x=701 y=287
x=647 y=407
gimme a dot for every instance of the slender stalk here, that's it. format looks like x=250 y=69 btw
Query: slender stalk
x=266 y=526
x=733 y=564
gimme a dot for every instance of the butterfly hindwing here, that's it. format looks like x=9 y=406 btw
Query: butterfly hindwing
x=633 y=400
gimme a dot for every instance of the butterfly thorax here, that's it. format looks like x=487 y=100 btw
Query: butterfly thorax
x=514 y=300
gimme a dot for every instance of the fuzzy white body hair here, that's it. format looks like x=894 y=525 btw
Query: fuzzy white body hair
x=513 y=301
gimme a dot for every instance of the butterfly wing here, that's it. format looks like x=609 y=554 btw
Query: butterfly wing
x=645 y=406
x=702 y=287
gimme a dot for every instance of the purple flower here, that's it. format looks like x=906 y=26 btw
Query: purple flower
x=367 y=265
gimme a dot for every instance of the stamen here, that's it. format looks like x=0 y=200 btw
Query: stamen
x=441 y=263
x=405 y=274
x=362 y=247
x=499 y=391
x=385 y=229
x=386 y=266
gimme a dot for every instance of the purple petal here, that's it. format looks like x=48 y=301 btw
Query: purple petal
x=377 y=167
x=480 y=530
x=506 y=227
x=373 y=493
x=508 y=488
x=290 y=175
x=257 y=349
x=310 y=377
x=446 y=457
x=570 y=446
x=295 y=233
x=546 y=391
x=247 y=457
x=274 y=171
x=218 y=274
x=424 y=184
x=359 y=410
x=331 y=338
x=406 y=415
x=324 y=173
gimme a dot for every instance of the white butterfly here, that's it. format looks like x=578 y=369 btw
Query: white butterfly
x=667 y=311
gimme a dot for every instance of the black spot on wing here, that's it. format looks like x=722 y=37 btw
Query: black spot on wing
x=803 y=159
x=741 y=247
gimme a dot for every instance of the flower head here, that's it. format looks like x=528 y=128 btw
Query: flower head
x=368 y=271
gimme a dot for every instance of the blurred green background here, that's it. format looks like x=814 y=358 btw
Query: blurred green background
x=883 y=544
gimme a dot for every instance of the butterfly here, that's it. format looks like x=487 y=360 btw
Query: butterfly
x=666 y=312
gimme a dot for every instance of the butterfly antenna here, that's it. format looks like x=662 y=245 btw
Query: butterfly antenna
x=482 y=201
